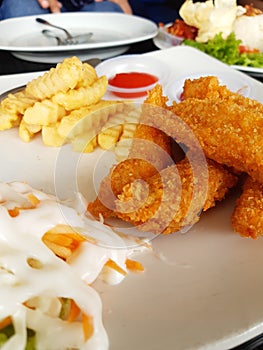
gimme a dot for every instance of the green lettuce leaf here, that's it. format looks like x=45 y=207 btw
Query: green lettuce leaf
x=227 y=51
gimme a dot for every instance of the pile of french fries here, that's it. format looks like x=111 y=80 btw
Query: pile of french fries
x=65 y=105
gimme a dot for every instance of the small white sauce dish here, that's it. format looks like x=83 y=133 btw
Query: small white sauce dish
x=133 y=64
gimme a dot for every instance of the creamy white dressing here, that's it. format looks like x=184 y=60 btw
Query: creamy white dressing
x=21 y=239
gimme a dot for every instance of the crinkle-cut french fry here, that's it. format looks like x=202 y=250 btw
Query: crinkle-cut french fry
x=33 y=128
x=17 y=103
x=85 y=143
x=83 y=96
x=43 y=113
x=70 y=125
x=51 y=137
x=88 y=118
x=123 y=145
x=109 y=137
x=89 y=76
x=111 y=131
x=27 y=131
x=8 y=120
x=12 y=109
x=65 y=76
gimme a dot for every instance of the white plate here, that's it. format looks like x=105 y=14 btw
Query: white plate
x=112 y=35
x=201 y=290
x=55 y=57
x=109 y=29
x=160 y=41
x=256 y=72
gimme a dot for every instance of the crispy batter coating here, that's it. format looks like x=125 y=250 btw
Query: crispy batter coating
x=174 y=198
x=209 y=87
x=111 y=186
x=150 y=151
x=229 y=130
x=204 y=87
x=247 y=218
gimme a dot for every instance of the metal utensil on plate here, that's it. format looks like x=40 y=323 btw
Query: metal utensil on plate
x=70 y=39
x=50 y=34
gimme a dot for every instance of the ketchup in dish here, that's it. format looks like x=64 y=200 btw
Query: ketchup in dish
x=132 y=80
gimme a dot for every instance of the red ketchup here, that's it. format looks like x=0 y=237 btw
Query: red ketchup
x=132 y=80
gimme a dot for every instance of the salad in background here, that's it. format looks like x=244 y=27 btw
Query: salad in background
x=233 y=34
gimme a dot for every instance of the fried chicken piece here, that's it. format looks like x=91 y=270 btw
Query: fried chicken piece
x=173 y=199
x=229 y=133
x=111 y=186
x=204 y=87
x=247 y=218
x=150 y=151
x=228 y=130
x=209 y=87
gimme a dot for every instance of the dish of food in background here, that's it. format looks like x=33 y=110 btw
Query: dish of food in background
x=235 y=84
x=131 y=76
x=23 y=35
x=233 y=44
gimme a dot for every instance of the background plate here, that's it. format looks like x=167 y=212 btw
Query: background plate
x=201 y=290
x=55 y=57
x=109 y=29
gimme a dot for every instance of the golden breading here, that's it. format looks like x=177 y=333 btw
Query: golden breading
x=204 y=87
x=209 y=87
x=150 y=152
x=247 y=218
x=174 y=198
x=229 y=132
x=111 y=186
x=65 y=76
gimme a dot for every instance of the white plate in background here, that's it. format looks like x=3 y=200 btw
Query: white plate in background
x=56 y=57
x=109 y=29
x=112 y=35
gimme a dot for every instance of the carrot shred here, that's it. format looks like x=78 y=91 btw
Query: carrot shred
x=73 y=312
x=33 y=199
x=13 y=212
x=87 y=326
x=112 y=264
x=5 y=322
x=134 y=266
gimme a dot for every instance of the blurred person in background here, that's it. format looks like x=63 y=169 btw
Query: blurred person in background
x=18 y=8
x=164 y=11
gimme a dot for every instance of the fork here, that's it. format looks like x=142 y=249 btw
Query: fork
x=70 y=40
